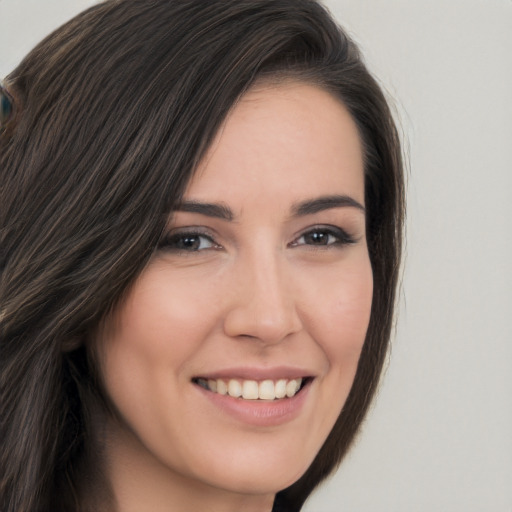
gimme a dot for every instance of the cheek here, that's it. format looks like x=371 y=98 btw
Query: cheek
x=351 y=313
x=340 y=323
x=153 y=335
x=138 y=346
x=340 y=311
x=338 y=314
x=159 y=322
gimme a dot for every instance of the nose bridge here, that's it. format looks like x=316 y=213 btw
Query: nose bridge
x=263 y=306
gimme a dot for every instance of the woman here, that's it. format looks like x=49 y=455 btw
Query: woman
x=202 y=206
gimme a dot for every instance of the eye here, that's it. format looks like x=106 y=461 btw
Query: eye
x=188 y=242
x=324 y=236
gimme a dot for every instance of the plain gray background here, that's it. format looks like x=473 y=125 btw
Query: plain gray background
x=439 y=435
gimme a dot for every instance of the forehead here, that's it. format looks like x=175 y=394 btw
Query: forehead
x=279 y=138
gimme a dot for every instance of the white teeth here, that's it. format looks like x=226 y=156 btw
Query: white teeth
x=250 y=389
x=253 y=390
x=292 y=387
x=266 y=391
x=222 y=387
x=280 y=388
x=234 y=388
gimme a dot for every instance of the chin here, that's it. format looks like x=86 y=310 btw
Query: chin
x=260 y=467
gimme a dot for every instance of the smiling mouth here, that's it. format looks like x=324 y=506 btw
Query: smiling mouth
x=252 y=389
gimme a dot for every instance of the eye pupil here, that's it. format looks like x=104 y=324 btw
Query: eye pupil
x=190 y=242
x=317 y=238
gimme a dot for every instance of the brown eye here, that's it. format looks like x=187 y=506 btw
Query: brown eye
x=324 y=236
x=188 y=242
x=318 y=238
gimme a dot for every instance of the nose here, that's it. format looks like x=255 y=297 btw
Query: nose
x=262 y=305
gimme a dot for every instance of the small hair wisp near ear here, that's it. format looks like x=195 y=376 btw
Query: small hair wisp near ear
x=7 y=107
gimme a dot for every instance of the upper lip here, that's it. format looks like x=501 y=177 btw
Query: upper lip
x=258 y=373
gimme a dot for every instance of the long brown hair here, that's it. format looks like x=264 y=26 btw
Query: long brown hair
x=113 y=112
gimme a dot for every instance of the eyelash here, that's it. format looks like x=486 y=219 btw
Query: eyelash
x=340 y=236
x=171 y=241
x=336 y=237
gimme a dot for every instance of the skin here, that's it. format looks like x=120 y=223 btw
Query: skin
x=268 y=288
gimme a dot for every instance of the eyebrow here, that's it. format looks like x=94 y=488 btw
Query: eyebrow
x=216 y=210
x=319 y=204
x=308 y=207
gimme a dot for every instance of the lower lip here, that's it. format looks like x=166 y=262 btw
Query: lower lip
x=259 y=413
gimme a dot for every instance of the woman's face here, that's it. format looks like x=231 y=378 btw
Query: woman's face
x=262 y=285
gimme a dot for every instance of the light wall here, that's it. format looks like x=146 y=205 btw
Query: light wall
x=439 y=437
